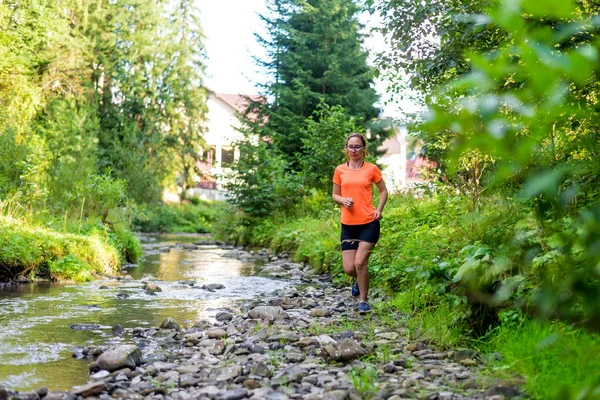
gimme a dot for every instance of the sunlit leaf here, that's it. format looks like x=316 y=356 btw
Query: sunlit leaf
x=549 y=8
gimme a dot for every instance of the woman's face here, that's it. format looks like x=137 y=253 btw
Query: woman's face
x=355 y=148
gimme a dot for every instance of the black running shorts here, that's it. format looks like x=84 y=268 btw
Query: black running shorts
x=352 y=234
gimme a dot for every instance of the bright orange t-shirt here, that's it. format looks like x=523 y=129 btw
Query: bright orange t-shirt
x=358 y=184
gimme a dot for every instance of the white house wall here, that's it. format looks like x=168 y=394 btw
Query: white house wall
x=394 y=161
x=221 y=130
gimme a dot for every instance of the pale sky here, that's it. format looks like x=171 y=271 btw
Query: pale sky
x=229 y=27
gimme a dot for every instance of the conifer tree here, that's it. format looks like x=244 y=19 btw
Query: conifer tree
x=314 y=52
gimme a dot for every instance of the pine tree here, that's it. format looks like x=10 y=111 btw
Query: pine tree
x=314 y=53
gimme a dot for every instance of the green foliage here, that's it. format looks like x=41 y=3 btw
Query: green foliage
x=364 y=381
x=195 y=217
x=555 y=359
x=27 y=249
x=70 y=266
x=127 y=244
x=527 y=107
x=100 y=104
x=414 y=26
x=262 y=182
x=90 y=85
x=314 y=55
x=17 y=168
x=323 y=140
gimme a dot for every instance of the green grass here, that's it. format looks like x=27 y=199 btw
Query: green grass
x=36 y=251
x=364 y=381
x=437 y=321
x=556 y=360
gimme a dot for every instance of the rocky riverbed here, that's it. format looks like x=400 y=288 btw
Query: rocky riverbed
x=304 y=342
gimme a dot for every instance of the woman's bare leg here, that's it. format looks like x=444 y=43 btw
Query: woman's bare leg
x=361 y=260
x=348 y=262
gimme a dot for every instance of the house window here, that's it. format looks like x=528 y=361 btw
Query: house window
x=208 y=155
x=227 y=155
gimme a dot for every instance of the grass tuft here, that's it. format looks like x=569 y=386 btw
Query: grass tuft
x=556 y=360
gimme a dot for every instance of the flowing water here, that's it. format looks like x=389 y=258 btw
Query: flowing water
x=37 y=339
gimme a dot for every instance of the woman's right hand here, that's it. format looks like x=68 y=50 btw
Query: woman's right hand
x=348 y=202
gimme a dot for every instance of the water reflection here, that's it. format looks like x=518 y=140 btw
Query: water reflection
x=36 y=340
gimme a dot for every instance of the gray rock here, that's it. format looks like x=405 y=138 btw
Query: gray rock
x=118 y=330
x=460 y=355
x=294 y=357
x=217 y=348
x=188 y=380
x=284 y=337
x=320 y=312
x=100 y=375
x=256 y=348
x=274 y=395
x=344 y=350
x=261 y=369
x=59 y=395
x=194 y=338
x=507 y=391
x=325 y=339
x=84 y=327
x=216 y=333
x=268 y=312
x=388 y=335
x=209 y=391
x=232 y=254
x=272 y=269
x=228 y=373
x=235 y=394
x=214 y=286
x=336 y=395
x=124 y=356
x=151 y=287
x=390 y=368
x=223 y=316
x=306 y=342
x=90 y=389
x=26 y=396
x=170 y=323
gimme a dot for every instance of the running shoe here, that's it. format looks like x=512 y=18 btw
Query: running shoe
x=355 y=291
x=364 y=307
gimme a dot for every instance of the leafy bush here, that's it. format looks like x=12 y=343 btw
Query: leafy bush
x=70 y=266
x=186 y=217
x=525 y=110
x=323 y=140
x=127 y=244
x=262 y=181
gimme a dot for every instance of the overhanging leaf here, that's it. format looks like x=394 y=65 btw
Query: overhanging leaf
x=549 y=8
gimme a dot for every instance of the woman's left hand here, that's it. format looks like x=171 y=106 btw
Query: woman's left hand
x=377 y=215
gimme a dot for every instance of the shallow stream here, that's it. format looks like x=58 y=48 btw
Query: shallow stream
x=37 y=321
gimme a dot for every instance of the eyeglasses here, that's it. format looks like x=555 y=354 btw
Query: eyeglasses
x=354 y=148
